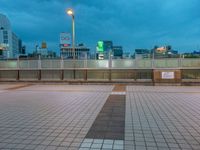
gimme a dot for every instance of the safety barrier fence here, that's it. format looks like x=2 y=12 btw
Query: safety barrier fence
x=130 y=70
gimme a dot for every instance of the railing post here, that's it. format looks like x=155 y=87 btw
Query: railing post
x=85 y=74
x=85 y=67
x=62 y=68
x=18 y=64
x=153 y=63
x=135 y=62
x=18 y=68
x=29 y=66
x=85 y=61
x=39 y=68
x=180 y=61
x=153 y=77
x=74 y=70
x=39 y=63
x=62 y=63
x=110 y=66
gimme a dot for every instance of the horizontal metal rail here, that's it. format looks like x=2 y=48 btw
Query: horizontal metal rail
x=101 y=64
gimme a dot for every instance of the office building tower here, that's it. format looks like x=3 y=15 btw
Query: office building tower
x=9 y=42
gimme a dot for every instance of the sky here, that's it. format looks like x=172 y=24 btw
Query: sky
x=128 y=23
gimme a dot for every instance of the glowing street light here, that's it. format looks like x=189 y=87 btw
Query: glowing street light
x=70 y=12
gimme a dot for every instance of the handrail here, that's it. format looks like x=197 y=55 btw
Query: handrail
x=101 y=64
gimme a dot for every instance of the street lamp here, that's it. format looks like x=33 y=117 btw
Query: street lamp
x=70 y=12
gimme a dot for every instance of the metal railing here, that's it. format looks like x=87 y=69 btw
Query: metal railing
x=100 y=64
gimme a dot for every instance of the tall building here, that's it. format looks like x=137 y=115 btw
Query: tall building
x=104 y=49
x=9 y=42
x=4 y=22
x=117 y=52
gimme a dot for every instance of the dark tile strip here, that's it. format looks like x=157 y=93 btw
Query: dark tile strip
x=119 y=88
x=110 y=122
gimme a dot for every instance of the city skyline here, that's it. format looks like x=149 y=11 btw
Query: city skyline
x=132 y=24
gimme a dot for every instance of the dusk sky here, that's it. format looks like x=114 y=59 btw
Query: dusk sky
x=129 y=23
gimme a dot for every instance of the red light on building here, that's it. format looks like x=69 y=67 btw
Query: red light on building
x=66 y=45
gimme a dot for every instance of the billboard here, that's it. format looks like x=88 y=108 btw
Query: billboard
x=65 y=39
x=100 y=46
x=161 y=49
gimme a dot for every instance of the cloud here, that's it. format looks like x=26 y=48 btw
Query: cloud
x=130 y=23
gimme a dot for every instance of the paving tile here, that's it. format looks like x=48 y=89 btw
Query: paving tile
x=47 y=116
x=51 y=148
x=162 y=117
x=119 y=147
x=106 y=141
x=107 y=146
x=96 y=145
x=61 y=148
x=86 y=145
x=98 y=141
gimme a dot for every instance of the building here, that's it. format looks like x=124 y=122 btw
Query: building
x=104 y=49
x=10 y=44
x=66 y=49
x=81 y=52
x=117 y=52
x=194 y=54
x=127 y=55
x=22 y=48
x=164 y=52
x=4 y=22
x=41 y=52
x=142 y=53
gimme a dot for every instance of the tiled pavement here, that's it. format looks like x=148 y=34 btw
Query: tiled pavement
x=162 y=118
x=60 y=116
x=41 y=119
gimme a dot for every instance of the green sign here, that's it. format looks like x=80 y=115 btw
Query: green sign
x=100 y=47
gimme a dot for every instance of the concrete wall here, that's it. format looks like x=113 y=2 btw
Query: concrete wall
x=154 y=76
x=158 y=76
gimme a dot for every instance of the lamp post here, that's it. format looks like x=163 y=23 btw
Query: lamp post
x=70 y=12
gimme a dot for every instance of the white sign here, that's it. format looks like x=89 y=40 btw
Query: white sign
x=168 y=75
x=65 y=39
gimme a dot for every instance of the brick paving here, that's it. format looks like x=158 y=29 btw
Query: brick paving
x=59 y=117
